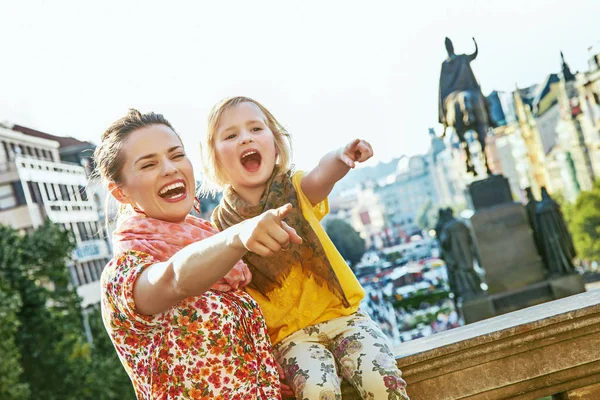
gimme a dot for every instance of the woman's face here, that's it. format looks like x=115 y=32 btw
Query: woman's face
x=157 y=176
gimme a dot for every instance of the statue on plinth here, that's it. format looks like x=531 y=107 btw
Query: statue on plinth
x=462 y=105
x=458 y=251
x=531 y=209
x=556 y=244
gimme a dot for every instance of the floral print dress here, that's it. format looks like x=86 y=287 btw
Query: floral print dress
x=213 y=346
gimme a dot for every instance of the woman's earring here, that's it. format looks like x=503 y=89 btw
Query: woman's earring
x=138 y=211
x=197 y=205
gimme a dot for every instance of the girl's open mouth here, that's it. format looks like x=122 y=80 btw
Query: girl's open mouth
x=251 y=160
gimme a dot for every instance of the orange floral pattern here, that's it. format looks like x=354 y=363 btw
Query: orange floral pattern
x=213 y=346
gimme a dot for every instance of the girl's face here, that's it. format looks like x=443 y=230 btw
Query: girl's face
x=157 y=176
x=245 y=150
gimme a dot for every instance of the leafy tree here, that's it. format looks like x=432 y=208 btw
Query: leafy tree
x=583 y=219
x=51 y=337
x=50 y=357
x=107 y=376
x=348 y=242
x=11 y=386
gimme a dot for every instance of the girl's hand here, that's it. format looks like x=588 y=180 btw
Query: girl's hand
x=356 y=151
x=286 y=391
x=267 y=233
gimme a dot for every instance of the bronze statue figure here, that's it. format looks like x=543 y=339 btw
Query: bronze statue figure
x=444 y=215
x=458 y=251
x=556 y=244
x=531 y=209
x=462 y=105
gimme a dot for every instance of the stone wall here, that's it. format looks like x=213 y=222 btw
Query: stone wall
x=549 y=349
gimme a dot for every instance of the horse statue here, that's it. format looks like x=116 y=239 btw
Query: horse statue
x=462 y=105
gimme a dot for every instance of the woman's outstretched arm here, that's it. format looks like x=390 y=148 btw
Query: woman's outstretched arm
x=195 y=268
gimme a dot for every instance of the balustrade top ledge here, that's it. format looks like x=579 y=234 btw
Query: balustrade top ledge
x=498 y=328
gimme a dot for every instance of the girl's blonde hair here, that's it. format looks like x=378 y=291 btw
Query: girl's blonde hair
x=214 y=178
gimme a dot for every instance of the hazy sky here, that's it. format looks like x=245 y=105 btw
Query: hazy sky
x=329 y=71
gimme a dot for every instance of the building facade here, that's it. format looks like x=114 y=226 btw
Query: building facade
x=385 y=212
x=405 y=193
x=35 y=185
x=547 y=135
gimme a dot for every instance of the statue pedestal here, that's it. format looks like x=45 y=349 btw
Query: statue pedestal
x=488 y=192
x=477 y=309
x=507 y=251
x=567 y=285
x=511 y=300
x=514 y=272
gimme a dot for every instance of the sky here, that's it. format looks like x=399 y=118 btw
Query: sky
x=330 y=71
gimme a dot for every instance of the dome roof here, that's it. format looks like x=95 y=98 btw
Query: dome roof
x=410 y=164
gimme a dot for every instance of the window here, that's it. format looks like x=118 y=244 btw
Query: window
x=100 y=267
x=74 y=278
x=7 y=199
x=80 y=275
x=93 y=270
x=54 y=191
x=83 y=235
x=83 y=193
x=96 y=230
x=34 y=190
x=50 y=191
x=101 y=230
x=6 y=150
x=96 y=267
x=19 y=194
x=64 y=192
x=87 y=271
x=91 y=231
x=74 y=193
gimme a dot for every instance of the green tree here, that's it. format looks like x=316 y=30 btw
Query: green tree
x=11 y=385
x=51 y=337
x=583 y=219
x=348 y=242
x=107 y=377
x=54 y=360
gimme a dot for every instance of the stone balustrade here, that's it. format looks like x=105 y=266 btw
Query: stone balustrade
x=552 y=349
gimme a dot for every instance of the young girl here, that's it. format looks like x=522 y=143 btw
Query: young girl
x=308 y=294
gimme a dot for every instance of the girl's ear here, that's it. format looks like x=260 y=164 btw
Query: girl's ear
x=117 y=192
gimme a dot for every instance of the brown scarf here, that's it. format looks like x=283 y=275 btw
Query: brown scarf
x=268 y=273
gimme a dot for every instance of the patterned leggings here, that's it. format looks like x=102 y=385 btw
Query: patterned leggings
x=354 y=347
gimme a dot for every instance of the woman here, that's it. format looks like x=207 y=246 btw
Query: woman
x=169 y=298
